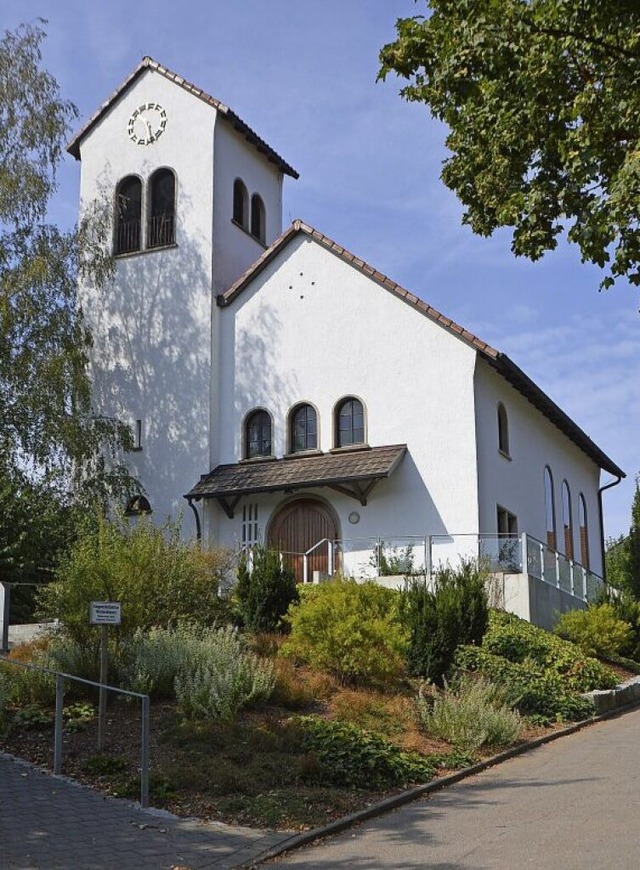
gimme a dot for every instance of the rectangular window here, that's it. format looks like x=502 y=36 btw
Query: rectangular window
x=250 y=528
x=137 y=435
x=507 y=523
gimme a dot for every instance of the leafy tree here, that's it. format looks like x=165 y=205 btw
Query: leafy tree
x=542 y=100
x=51 y=443
x=622 y=556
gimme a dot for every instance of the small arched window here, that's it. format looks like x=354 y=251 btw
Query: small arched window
x=550 y=508
x=240 y=204
x=303 y=429
x=584 y=533
x=257 y=435
x=349 y=422
x=127 y=236
x=567 y=520
x=137 y=506
x=161 y=229
x=258 y=228
x=503 y=430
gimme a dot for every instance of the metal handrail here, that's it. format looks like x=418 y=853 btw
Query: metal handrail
x=57 y=736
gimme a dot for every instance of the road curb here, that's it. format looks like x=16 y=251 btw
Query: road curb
x=297 y=841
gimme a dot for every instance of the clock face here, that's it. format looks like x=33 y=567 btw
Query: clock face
x=147 y=123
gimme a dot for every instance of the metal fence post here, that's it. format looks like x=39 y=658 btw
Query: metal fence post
x=144 y=754
x=5 y=601
x=57 y=739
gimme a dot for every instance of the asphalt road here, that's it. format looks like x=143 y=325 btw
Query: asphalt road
x=570 y=805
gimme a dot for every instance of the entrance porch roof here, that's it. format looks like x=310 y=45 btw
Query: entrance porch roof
x=353 y=472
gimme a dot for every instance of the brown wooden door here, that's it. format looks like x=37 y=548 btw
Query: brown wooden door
x=295 y=528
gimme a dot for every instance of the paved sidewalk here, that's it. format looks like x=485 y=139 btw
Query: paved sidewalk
x=50 y=822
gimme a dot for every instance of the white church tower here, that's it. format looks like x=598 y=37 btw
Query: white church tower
x=194 y=197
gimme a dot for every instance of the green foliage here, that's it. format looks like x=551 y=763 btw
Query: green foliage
x=543 y=108
x=26 y=687
x=470 y=713
x=530 y=688
x=349 y=629
x=264 y=590
x=150 y=661
x=633 y=547
x=222 y=678
x=615 y=560
x=519 y=641
x=454 y=611
x=597 y=631
x=348 y=756
x=541 y=674
x=158 y=579
x=392 y=561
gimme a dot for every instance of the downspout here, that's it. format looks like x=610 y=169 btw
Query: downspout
x=600 y=491
x=197 y=516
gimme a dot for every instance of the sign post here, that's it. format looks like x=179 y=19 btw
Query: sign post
x=104 y=614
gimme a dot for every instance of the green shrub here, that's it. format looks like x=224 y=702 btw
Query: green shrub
x=222 y=677
x=25 y=687
x=151 y=660
x=454 y=611
x=264 y=590
x=597 y=631
x=528 y=687
x=628 y=610
x=349 y=629
x=158 y=579
x=348 y=756
x=471 y=713
x=519 y=641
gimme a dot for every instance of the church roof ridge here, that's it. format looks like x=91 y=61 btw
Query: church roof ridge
x=228 y=114
x=495 y=358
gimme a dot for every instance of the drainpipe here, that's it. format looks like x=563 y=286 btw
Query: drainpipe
x=197 y=516
x=600 y=491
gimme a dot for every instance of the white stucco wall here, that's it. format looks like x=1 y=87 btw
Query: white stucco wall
x=517 y=484
x=155 y=327
x=234 y=249
x=313 y=328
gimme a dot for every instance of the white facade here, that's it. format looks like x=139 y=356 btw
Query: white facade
x=195 y=336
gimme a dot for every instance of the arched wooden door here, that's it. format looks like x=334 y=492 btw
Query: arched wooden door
x=298 y=526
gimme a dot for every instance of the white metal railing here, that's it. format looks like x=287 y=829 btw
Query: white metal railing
x=415 y=555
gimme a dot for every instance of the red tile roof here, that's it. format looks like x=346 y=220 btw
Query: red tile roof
x=225 y=112
x=497 y=360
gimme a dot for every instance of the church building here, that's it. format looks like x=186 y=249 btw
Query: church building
x=282 y=390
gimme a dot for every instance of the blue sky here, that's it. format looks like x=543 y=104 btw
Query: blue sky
x=303 y=75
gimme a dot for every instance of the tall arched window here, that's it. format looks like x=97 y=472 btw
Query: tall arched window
x=257 y=435
x=567 y=520
x=127 y=236
x=162 y=209
x=303 y=429
x=550 y=508
x=349 y=422
x=503 y=430
x=584 y=533
x=240 y=204
x=258 y=228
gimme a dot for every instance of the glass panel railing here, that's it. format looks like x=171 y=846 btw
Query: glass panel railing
x=501 y=553
x=564 y=573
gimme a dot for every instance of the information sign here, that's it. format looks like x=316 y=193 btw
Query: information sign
x=105 y=613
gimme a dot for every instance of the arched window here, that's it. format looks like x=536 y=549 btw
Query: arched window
x=127 y=236
x=257 y=435
x=240 y=204
x=584 y=533
x=137 y=506
x=550 y=508
x=567 y=521
x=503 y=430
x=349 y=423
x=303 y=429
x=258 y=229
x=162 y=209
